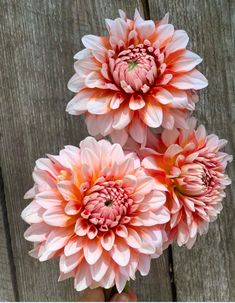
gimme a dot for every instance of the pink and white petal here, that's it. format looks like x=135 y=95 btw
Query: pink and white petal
x=173 y=150
x=74 y=245
x=155 y=199
x=116 y=154
x=191 y=80
x=94 y=79
x=56 y=217
x=68 y=263
x=129 y=181
x=117 y=100
x=92 y=126
x=150 y=162
x=33 y=213
x=83 y=277
x=78 y=105
x=138 y=130
x=121 y=279
x=92 y=232
x=90 y=158
x=49 y=199
x=76 y=83
x=180 y=99
x=30 y=193
x=133 y=239
x=72 y=208
x=144 y=264
x=84 y=53
x=144 y=185
x=63 y=276
x=121 y=231
x=108 y=279
x=179 y=41
x=92 y=251
x=98 y=106
x=118 y=28
x=120 y=252
x=153 y=218
x=136 y=102
x=169 y=137
x=164 y=20
x=122 y=117
x=145 y=29
x=163 y=96
x=81 y=227
x=107 y=240
x=47 y=165
x=152 y=115
x=185 y=62
x=119 y=136
x=85 y=66
x=94 y=43
x=182 y=234
x=68 y=190
x=37 y=232
x=168 y=120
x=105 y=123
x=58 y=238
x=100 y=268
x=164 y=34
x=125 y=168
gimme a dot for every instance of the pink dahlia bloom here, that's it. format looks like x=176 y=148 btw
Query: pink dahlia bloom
x=140 y=75
x=96 y=209
x=192 y=169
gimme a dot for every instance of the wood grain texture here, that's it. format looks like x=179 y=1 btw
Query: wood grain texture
x=207 y=272
x=39 y=39
x=6 y=285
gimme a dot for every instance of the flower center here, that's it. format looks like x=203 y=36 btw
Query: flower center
x=195 y=179
x=106 y=204
x=135 y=69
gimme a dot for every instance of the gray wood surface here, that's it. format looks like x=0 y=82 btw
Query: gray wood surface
x=38 y=40
x=6 y=283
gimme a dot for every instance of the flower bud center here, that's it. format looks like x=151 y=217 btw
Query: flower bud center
x=194 y=179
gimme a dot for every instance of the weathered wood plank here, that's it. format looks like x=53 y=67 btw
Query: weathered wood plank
x=207 y=272
x=6 y=285
x=39 y=39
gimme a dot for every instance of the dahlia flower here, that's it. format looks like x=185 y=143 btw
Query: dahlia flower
x=191 y=168
x=140 y=75
x=96 y=209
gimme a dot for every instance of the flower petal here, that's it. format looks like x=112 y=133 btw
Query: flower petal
x=92 y=251
x=152 y=114
x=191 y=80
x=120 y=253
x=179 y=41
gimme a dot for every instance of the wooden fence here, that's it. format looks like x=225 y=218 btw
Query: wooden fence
x=38 y=41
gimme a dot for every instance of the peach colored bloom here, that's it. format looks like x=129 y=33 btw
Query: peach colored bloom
x=96 y=209
x=140 y=75
x=192 y=169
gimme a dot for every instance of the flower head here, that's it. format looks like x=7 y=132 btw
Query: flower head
x=140 y=75
x=96 y=209
x=191 y=167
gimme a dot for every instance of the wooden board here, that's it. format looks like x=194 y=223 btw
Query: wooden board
x=39 y=40
x=6 y=283
x=207 y=272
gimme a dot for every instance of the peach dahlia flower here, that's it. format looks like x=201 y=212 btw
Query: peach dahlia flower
x=96 y=209
x=140 y=75
x=192 y=169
